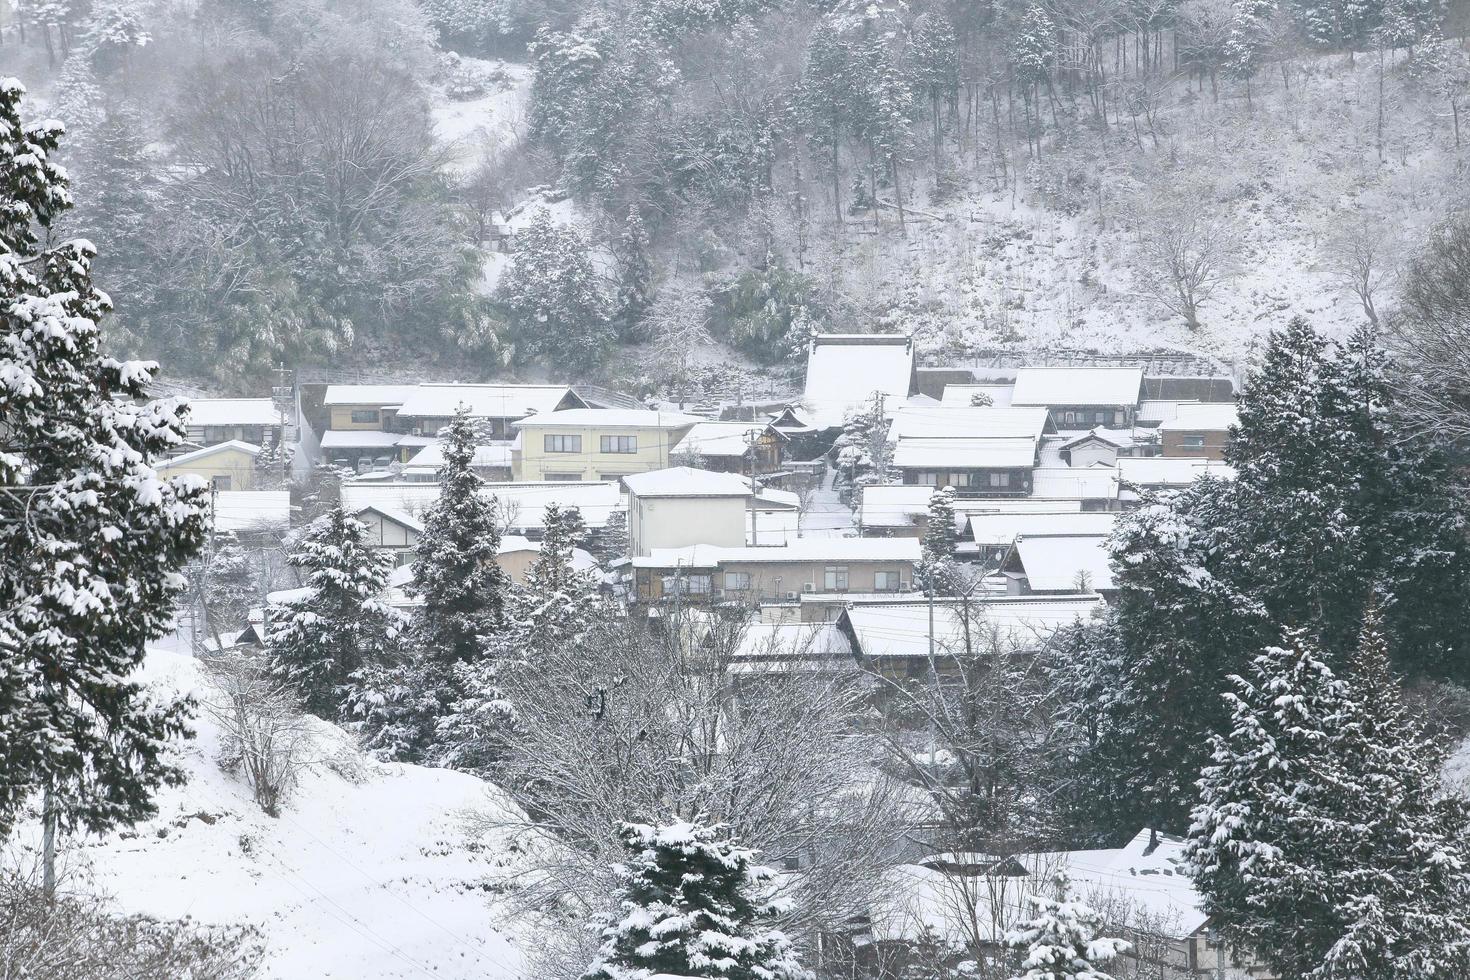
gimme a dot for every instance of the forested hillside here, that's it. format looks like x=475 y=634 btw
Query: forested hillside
x=309 y=182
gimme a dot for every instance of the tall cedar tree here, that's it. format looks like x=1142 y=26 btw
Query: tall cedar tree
x=322 y=640
x=1338 y=500
x=554 y=297
x=455 y=570
x=1144 y=685
x=92 y=541
x=635 y=276
x=1321 y=842
x=1061 y=939
x=692 y=907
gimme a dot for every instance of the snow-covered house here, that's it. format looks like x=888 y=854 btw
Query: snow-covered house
x=212 y=421
x=732 y=447
x=966 y=395
x=1089 y=487
x=1058 y=564
x=844 y=371
x=973 y=467
x=1199 y=431
x=1097 y=445
x=680 y=506
x=749 y=575
x=994 y=534
x=391 y=530
x=366 y=407
x=518 y=553
x=1167 y=473
x=521 y=506
x=600 y=444
x=224 y=466
x=490 y=462
x=1082 y=397
x=248 y=513
x=429 y=407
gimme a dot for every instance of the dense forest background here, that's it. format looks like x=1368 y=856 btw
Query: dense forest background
x=693 y=186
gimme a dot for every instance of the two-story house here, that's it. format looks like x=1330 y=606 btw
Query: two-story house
x=679 y=507
x=429 y=407
x=979 y=451
x=1080 y=398
x=212 y=421
x=734 y=447
x=1199 y=431
x=750 y=575
x=595 y=444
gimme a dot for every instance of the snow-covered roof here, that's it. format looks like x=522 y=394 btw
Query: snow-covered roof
x=360 y=439
x=1078 y=386
x=232 y=411
x=523 y=504
x=251 y=510
x=1170 y=471
x=1117 y=438
x=965 y=454
x=788 y=642
x=902 y=506
x=685 y=481
x=582 y=561
x=1001 y=530
x=770 y=497
x=614 y=418
x=396 y=516
x=800 y=550
x=366 y=394
x=431 y=457
x=961 y=395
x=486 y=401
x=844 y=370
x=1204 y=417
x=1074 y=483
x=1161 y=409
x=186 y=458
x=961 y=422
x=723 y=439
x=1054 y=562
x=902 y=629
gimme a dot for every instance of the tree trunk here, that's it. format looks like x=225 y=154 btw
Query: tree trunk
x=836 y=182
x=1455 y=110
x=897 y=194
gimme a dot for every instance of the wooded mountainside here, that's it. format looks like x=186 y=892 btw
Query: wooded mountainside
x=271 y=181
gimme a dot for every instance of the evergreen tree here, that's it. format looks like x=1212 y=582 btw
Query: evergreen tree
x=934 y=67
x=92 y=541
x=1061 y=939
x=1034 y=48
x=1249 y=40
x=1320 y=842
x=692 y=906
x=455 y=569
x=1408 y=23
x=611 y=541
x=229 y=583
x=826 y=98
x=552 y=295
x=635 y=275
x=340 y=626
x=941 y=534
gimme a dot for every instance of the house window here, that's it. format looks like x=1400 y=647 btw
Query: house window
x=1194 y=442
x=561 y=477
x=620 y=444
x=1000 y=479
x=1100 y=418
x=563 y=444
x=217 y=433
x=737 y=581
x=702 y=584
x=365 y=415
x=221 y=482
x=834 y=578
x=1120 y=419
x=929 y=479
x=885 y=581
x=1069 y=418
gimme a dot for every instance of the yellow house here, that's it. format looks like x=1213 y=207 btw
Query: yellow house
x=595 y=444
x=356 y=408
x=225 y=466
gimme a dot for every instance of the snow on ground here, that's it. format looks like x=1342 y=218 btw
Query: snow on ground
x=824 y=515
x=493 y=121
x=366 y=875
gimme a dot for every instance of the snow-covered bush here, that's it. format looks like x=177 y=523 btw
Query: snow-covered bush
x=1061 y=940
x=265 y=735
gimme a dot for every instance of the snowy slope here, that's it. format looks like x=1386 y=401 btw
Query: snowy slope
x=366 y=875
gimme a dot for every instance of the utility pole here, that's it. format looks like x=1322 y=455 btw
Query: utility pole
x=750 y=442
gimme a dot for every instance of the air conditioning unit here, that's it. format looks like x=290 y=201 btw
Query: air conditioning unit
x=808 y=587
x=903 y=586
x=793 y=596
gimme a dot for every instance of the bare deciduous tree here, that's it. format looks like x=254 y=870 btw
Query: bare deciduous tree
x=265 y=733
x=1187 y=254
x=1431 y=331
x=1360 y=259
x=678 y=324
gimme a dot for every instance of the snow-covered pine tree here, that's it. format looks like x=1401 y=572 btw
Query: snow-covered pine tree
x=554 y=297
x=455 y=570
x=692 y=906
x=826 y=99
x=92 y=541
x=341 y=625
x=635 y=275
x=610 y=542
x=1061 y=940
x=229 y=587
x=941 y=534
x=934 y=68
x=1321 y=841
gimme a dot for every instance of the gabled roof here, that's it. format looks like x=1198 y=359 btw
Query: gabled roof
x=198 y=454
x=844 y=370
x=1117 y=438
x=1001 y=530
x=1056 y=562
x=901 y=629
x=251 y=510
x=1171 y=471
x=1074 y=482
x=487 y=401
x=800 y=550
x=1100 y=386
x=964 y=422
x=724 y=439
x=609 y=418
x=431 y=457
x=396 y=516
x=1204 y=417
x=582 y=561
x=961 y=395
x=902 y=506
x=965 y=454
x=380 y=395
x=685 y=481
x=523 y=505
x=232 y=411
